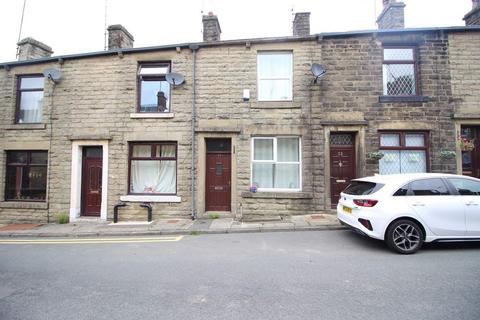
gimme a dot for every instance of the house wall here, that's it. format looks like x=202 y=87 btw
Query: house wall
x=464 y=51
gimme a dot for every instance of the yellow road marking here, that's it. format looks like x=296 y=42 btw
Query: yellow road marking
x=92 y=240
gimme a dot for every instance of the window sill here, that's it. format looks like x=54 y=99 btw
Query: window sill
x=281 y=104
x=27 y=126
x=23 y=205
x=277 y=195
x=139 y=115
x=387 y=99
x=132 y=198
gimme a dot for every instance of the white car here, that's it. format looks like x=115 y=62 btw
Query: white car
x=406 y=210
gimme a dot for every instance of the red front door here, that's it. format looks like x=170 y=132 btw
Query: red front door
x=92 y=181
x=218 y=175
x=342 y=163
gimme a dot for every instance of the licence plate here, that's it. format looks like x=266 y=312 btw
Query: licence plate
x=347 y=209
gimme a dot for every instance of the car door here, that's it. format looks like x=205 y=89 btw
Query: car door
x=469 y=194
x=442 y=212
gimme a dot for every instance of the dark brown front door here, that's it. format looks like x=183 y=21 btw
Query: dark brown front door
x=92 y=181
x=218 y=175
x=342 y=163
x=471 y=151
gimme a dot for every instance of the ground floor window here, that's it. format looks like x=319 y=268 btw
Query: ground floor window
x=404 y=152
x=26 y=176
x=276 y=163
x=153 y=168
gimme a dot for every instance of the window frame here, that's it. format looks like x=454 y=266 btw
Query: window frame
x=413 y=62
x=153 y=146
x=402 y=143
x=28 y=164
x=152 y=77
x=275 y=161
x=19 y=91
x=279 y=52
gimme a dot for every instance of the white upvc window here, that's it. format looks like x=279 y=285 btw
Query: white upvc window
x=275 y=74
x=276 y=163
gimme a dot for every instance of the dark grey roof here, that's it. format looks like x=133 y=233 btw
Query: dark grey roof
x=238 y=42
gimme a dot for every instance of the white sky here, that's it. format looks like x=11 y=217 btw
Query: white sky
x=77 y=26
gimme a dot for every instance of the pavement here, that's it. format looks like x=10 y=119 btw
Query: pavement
x=97 y=228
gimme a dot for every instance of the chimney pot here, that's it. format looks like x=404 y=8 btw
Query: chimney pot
x=301 y=24
x=119 y=37
x=30 y=48
x=211 y=27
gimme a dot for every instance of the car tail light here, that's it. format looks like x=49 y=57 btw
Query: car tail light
x=365 y=202
x=366 y=223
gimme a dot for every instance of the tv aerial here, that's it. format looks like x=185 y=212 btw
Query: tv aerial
x=318 y=71
x=174 y=78
x=53 y=74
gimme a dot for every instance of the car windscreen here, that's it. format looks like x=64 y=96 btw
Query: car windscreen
x=357 y=188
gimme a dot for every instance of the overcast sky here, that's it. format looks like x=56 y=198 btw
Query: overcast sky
x=77 y=26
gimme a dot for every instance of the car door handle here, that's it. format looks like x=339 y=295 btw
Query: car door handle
x=418 y=204
x=471 y=203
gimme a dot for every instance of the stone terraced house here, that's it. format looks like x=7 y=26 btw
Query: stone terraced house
x=250 y=133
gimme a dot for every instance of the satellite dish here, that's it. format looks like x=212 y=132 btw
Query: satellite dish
x=53 y=74
x=318 y=71
x=175 y=79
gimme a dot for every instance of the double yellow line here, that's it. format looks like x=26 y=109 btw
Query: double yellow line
x=92 y=240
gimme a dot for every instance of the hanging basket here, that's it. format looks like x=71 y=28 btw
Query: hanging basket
x=447 y=154
x=466 y=144
x=375 y=155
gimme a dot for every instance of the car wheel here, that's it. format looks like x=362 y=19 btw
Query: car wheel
x=404 y=236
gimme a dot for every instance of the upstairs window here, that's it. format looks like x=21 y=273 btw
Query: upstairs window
x=274 y=76
x=154 y=90
x=26 y=176
x=400 y=71
x=30 y=99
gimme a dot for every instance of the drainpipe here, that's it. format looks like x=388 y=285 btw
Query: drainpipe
x=49 y=166
x=194 y=48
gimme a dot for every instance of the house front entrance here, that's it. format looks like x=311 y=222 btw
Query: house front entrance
x=470 y=146
x=91 y=181
x=342 y=163
x=218 y=174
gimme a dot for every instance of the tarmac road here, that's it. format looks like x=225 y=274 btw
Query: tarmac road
x=278 y=275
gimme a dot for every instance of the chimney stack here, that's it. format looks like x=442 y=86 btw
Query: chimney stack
x=119 y=37
x=473 y=17
x=211 y=28
x=301 y=24
x=30 y=48
x=392 y=16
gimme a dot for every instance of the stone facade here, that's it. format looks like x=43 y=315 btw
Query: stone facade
x=95 y=104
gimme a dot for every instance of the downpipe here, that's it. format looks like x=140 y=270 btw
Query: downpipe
x=194 y=48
